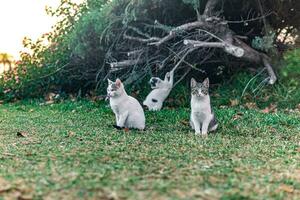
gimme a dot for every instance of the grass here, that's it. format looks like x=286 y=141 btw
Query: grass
x=70 y=151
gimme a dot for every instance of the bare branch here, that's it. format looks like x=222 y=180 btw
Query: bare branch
x=182 y=59
x=172 y=33
x=142 y=40
x=125 y=63
x=252 y=55
x=231 y=49
x=135 y=52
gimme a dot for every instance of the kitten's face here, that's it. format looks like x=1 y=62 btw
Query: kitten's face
x=155 y=82
x=114 y=88
x=199 y=89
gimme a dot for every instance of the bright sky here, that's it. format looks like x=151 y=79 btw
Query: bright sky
x=20 y=18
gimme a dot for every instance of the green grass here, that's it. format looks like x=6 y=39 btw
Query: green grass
x=71 y=151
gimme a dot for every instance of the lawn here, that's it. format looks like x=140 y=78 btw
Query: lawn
x=69 y=150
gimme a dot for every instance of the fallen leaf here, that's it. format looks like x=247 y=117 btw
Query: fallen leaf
x=238 y=170
x=185 y=122
x=286 y=188
x=237 y=116
x=223 y=107
x=71 y=134
x=266 y=98
x=49 y=102
x=271 y=109
x=50 y=96
x=126 y=129
x=4 y=185
x=251 y=105
x=234 y=102
x=22 y=134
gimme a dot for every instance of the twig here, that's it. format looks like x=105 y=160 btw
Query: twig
x=183 y=76
x=172 y=33
x=142 y=40
x=125 y=63
x=246 y=87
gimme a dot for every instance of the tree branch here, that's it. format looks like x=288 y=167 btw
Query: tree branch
x=228 y=48
x=142 y=40
x=172 y=33
x=125 y=63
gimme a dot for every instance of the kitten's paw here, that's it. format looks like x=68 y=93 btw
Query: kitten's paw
x=117 y=127
x=197 y=133
x=204 y=135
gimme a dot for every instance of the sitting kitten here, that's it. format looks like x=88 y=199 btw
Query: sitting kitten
x=202 y=117
x=129 y=113
x=161 y=90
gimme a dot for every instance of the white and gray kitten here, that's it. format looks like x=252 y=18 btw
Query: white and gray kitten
x=128 y=111
x=203 y=118
x=160 y=91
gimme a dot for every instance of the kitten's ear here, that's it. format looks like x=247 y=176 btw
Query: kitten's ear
x=118 y=83
x=193 y=83
x=109 y=82
x=206 y=82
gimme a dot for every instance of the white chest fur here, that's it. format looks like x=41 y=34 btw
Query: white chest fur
x=201 y=114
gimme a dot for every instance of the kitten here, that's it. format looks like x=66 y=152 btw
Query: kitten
x=203 y=118
x=129 y=113
x=161 y=90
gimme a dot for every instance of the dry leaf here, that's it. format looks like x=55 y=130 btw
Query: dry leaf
x=237 y=116
x=49 y=102
x=185 y=122
x=251 y=105
x=126 y=129
x=50 y=96
x=223 y=106
x=22 y=134
x=271 y=109
x=238 y=170
x=71 y=134
x=4 y=185
x=234 y=102
x=286 y=188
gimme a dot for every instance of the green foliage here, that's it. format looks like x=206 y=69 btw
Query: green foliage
x=291 y=71
x=265 y=43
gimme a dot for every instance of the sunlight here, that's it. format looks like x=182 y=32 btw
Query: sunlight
x=23 y=18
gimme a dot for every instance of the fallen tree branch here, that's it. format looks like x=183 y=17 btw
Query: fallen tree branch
x=126 y=63
x=228 y=48
x=135 y=52
x=252 y=55
x=142 y=40
x=172 y=33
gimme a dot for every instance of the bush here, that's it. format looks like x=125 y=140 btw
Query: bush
x=73 y=57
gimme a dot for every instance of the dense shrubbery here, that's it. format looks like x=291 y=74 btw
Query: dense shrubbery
x=72 y=58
